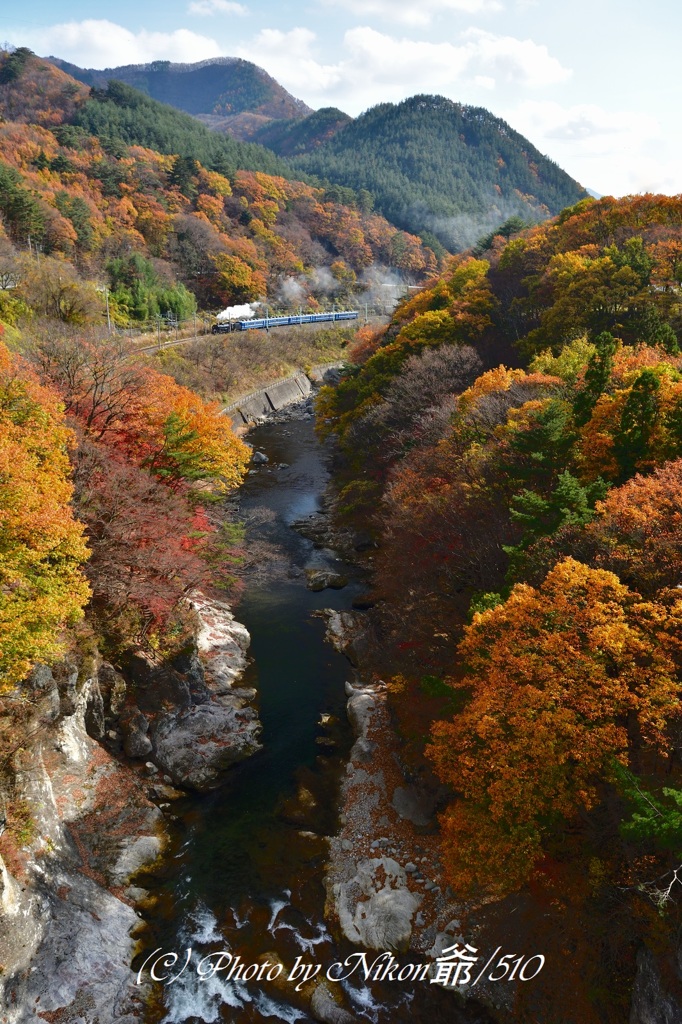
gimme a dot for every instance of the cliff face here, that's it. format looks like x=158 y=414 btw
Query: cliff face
x=88 y=762
x=78 y=826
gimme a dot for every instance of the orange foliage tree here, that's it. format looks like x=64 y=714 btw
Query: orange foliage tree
x=562 y=678
x=155 y=422
x=637 y=530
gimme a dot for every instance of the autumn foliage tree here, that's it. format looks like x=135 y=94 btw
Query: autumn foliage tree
x=637 y=530
x=158 y=424
x=149 y=453
x=42 y=546
x=562 y=679
x=148 y=546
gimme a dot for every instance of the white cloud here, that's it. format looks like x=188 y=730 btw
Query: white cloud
x=410 y=13
x=591 y=128
x=515 y=61
x=617 y=152
x=97 y=43
x=208 y=7
x=375 y=67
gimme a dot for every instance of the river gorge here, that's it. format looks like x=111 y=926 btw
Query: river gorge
x=246 y=869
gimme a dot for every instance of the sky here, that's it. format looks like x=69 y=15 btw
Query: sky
x=592 y=83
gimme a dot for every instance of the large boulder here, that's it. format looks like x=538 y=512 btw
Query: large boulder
x=375 y=907
x=197 y=745
x=325 y=1008
x=222 y=644
x=106 y=700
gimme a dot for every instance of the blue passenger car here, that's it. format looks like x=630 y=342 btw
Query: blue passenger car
x=265 y=323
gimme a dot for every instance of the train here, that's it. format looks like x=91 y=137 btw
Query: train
x=265 y=323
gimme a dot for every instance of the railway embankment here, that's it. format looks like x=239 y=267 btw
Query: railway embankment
x=260 y=404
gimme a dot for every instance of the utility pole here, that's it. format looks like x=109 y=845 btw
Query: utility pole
x=106 y=299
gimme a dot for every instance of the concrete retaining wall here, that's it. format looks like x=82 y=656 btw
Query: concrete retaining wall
x=269 y=399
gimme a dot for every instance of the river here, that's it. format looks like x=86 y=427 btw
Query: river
x=247 y=867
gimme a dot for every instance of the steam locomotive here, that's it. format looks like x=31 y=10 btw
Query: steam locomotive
x=265 y=323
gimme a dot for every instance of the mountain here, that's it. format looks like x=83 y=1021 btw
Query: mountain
x=227 y=93
x=302 y=134
x=143 y=196
x=36 y=91
x=440 y=167
x=447 y=172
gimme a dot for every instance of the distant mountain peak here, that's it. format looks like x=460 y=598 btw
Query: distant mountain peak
x=222 y=87
x=439 y=167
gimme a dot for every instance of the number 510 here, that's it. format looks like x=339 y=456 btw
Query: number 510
x=508 y=963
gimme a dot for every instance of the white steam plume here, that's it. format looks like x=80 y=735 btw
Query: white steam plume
x=244 y=312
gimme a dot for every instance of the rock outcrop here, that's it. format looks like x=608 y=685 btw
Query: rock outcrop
x=196 y=746
x=189 y=717
x=77 y=817
x=79 y=826
x=653 y=1002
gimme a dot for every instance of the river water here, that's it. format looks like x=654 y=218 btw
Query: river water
x=246 y=872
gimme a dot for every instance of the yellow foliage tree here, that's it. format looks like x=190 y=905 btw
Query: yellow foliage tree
x=42 y=587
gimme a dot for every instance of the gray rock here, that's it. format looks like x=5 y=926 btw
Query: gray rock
x=259 y=458
x=651 y=1002
x=222 y=644
x=81 y=970
x=321 y=579
x=105 y=701
x=44 y=686
x=67 y=685
x=362 y=751
x=190 y=668
x=136 y=744
x=414 y=804
x=134 y=728
x=325 y=1009
x=135 y=854
x=360 y=708
x=194 y=747
x=382 y=920
x=112 y=687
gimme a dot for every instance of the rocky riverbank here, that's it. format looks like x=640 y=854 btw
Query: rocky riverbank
x=92 y=760
x=79 y=824
x=384 y=880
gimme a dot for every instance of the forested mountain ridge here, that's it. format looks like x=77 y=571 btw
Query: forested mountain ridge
x=34 y=91
x=300 y=135
x=222 y=86
x=438 y=166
